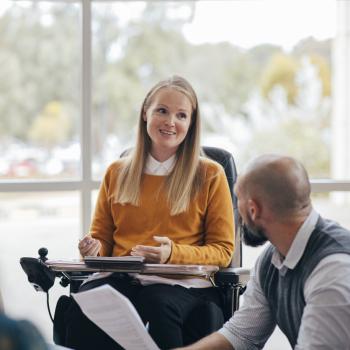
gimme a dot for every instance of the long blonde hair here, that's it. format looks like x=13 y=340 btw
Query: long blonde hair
x=185 y=179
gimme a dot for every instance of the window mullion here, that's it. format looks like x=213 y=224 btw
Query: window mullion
x=85 y=143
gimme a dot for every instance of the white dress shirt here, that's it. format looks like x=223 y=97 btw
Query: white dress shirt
x=326 y=317
x=153 y=167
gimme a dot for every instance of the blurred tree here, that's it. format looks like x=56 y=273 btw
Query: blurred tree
x=324 y=73
x=51 y=127
x=152 y=47
x=128 y=58
x=39 y=62
x=261 y=54
x=223 y=75
x=311 y=46
x=294 y=136
x=320 y=53
x=280 y=71
x=301 y=125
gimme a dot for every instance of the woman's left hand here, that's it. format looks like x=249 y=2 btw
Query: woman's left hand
x=154 y=255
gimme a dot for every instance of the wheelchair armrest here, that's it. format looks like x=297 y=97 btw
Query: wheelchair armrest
x=232 y=283
x=232 y=276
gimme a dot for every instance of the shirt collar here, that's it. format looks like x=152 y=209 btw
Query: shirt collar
x=153 y=167
x=298 y=246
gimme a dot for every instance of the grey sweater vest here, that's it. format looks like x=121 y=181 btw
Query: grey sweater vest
x=285 y=293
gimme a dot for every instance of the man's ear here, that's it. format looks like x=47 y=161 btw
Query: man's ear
x=254 y=209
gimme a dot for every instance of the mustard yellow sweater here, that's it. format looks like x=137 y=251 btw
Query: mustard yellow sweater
x=203 y=235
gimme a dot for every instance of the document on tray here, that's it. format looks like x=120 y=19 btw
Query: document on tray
x=116 y=316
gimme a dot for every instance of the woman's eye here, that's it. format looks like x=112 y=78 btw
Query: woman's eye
x=161 y=110
x=182 y=115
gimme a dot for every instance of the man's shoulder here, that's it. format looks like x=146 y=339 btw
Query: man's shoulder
x=324 y=224
x=330 y=235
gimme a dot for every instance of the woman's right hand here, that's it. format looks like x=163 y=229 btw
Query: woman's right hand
x=89 y=246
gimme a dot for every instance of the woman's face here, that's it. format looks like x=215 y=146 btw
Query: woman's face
x=168 y=119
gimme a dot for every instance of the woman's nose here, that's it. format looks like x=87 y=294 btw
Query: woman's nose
x=170 y=120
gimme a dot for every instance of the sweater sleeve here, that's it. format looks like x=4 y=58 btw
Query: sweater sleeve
x=102 y=225
x=218 y=238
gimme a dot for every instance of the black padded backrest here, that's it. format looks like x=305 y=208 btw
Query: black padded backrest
x=227 y=161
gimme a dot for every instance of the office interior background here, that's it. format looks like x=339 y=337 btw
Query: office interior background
x=271 y=76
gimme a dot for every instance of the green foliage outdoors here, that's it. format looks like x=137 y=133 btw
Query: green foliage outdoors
x=40 y=75
x=38 y=64
x=281 y=70
x=51 y=127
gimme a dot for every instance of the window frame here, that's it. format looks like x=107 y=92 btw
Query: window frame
x=85 y=185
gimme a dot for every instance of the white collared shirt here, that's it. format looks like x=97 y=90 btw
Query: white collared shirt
x=153 y=167
x=326 y=316
x=298 y=246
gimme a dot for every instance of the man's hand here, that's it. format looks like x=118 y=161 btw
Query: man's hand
x=154 y=255
x=89 y=246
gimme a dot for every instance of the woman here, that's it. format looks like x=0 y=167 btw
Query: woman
x=166 y=203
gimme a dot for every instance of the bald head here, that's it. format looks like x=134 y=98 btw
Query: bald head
x=281 y=183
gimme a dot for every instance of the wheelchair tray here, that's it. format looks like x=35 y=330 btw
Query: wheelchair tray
x=96 y=266
x=166 y=269
x=172 y=269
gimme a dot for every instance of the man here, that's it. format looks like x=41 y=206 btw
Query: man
x=301 y=282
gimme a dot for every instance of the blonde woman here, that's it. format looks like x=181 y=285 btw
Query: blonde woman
x=166 y=203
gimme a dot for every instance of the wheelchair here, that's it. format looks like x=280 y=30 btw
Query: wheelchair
x=231 y=280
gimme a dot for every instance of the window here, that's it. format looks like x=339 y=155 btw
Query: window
x=40 y=89
x=73 y=75
x=28 y=221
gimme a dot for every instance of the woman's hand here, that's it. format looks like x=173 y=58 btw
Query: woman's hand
x=154 y=255
x=89 y=246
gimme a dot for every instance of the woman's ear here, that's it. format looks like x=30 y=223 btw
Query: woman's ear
x=144 y=116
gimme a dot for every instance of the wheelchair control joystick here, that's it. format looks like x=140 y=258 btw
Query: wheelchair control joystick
x=43 y=254
x=38 y=273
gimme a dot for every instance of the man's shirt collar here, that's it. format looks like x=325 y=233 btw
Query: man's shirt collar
x=298 y=246
x=153 y=167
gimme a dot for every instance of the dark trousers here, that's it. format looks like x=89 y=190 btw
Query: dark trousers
x=176 y=315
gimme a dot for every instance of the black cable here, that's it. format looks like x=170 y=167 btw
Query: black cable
x=48 y=305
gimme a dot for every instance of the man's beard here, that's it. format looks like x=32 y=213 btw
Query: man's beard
x=253 y=236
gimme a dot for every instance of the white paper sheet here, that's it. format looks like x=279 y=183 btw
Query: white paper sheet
x=115 y=315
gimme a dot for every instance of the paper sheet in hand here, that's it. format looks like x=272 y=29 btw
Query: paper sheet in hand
x=116 y=316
